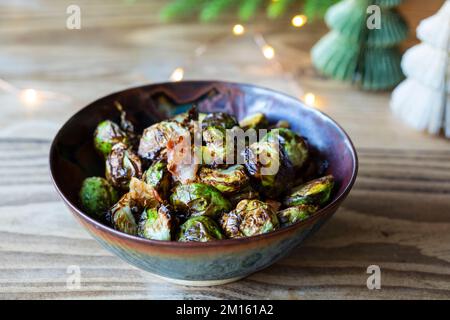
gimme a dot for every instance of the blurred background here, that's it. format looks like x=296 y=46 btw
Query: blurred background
x=124 y=43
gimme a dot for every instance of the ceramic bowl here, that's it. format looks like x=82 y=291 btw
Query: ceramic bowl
x=73 y=158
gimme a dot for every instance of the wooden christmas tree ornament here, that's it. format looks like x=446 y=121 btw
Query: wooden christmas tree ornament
x=423 y=99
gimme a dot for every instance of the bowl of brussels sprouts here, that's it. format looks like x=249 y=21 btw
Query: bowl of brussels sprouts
x=201 y=182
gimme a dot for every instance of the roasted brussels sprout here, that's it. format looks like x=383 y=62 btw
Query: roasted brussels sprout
x=268 y=164
x=254 y=121
x=121 y=165
x=156 y=224
x=219 y=119
x=106 y=135
x=251 y=217
x=228 y=180
x=158 y=177
x=214 y=151
x=296 y=213
x=246 y=193
x=123 y=215
x=294 y=146
x=97 y=196
x=199 y=199
x=316 y=192
x=201 y=229
x=144 y=194
x=155 y=138
x=181 y=161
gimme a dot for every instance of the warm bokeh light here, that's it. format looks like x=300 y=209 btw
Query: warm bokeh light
x=177 y=74
x=310 y=99
x=268 y=52
x=238 y=29
x=299 y=20
x=29 y=97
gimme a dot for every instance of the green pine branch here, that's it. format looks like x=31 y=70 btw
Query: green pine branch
x=213 y=8
x=248 y=9
x=210 y=10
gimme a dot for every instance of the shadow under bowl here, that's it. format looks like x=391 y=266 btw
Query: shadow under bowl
x=73 y=158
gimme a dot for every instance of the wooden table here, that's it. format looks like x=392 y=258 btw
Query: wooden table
x=396 y=217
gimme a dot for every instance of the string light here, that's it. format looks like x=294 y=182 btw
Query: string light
x=177 y=74
x=238 y=29
x=299 y=20
x=29 y=97
x=310 y=99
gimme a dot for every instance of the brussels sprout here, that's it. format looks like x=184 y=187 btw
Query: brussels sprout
x=219 y=119
x=201 y=229
x=254 y=121
x=106 y=135
x=127 y=126
x=97 y=196
x=143 y=194
x=199 y=199
x=251 y=217
x=227 y=181
x=121 y=165
x=214 y=151
x=294 y=146
x=181 y=161
x=315 y=192
x=155 y=138
x=156 y=224
x=268 y=164
x=246 y=193
x=296 y=213
x=123 y=215
x=158 y=177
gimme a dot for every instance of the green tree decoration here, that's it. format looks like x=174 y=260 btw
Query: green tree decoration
x=210 y=10
x=353 y=52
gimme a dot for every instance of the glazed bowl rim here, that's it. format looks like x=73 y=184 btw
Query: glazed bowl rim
x=229 y=242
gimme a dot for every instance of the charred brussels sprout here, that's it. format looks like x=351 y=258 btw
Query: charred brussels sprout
x=106 y=135
x=121 y=165
x=199 y=199
x=251 y=217
x=219 y=119
x=156 y=224
x=144 y=194
x=97 y=196
x=155 y=138
x=316 y=192
x=297 y=213
x=254 y=121
x=123 y=215
x=159 y=178
x=227 y=181
x=268 y=164
x=200 y=229
x=294 y=146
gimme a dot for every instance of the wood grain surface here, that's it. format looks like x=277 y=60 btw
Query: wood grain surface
x=397 y=215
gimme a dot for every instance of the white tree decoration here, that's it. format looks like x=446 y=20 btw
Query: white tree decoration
x=423 y=99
